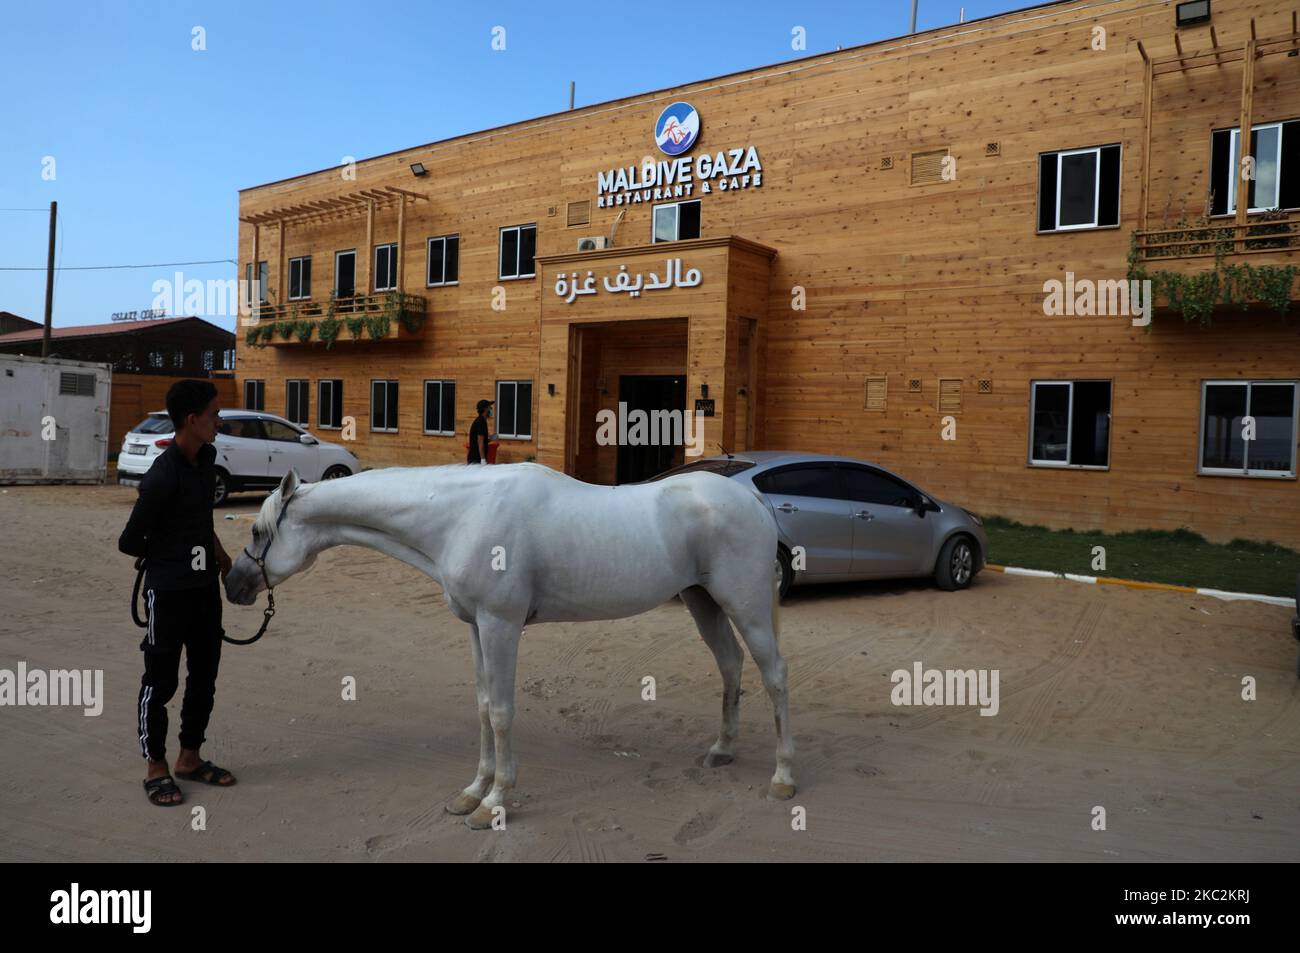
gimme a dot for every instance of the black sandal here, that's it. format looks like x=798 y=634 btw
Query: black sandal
x=155 y=788
x=207 y=773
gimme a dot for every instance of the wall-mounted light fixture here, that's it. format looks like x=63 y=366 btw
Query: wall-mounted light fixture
x=418 y=170
x=550 y=389
x=704 y=391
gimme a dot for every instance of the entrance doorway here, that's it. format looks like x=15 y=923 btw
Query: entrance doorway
x=650 y=392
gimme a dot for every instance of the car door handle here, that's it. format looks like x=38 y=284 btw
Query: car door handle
x=863 y=515
x=788 y=508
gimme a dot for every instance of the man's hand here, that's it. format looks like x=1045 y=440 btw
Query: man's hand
x=223 y=558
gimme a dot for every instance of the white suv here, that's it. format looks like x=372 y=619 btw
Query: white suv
x=254 y=450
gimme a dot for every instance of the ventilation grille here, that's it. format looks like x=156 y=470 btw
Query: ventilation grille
x=993 y=149
x=949 y=395
x=986 y=386
x=876 y=389
x=80 y=385
x=886 y=163
x=579 y=213
x=914 y=385
x=927 y=167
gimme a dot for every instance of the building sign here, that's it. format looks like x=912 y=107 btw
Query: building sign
x=149 y=315
x=676 y=131
x=570 y=288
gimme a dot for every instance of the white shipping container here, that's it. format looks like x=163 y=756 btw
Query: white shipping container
x=53 y=420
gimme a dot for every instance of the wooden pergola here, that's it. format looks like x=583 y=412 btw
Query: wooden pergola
x=1215 y=57
x=350 y=205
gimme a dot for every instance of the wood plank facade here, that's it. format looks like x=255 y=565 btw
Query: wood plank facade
x=893 y=232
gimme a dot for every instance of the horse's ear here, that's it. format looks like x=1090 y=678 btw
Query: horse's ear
x=289 y=484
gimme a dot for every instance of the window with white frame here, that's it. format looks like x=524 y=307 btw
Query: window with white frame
x=676 y=221
x=1274 y=173
x=518 y=246
x=295 y=402
x=440 y=407
x=385 y=267
x=514 y=409
x=383 y=406
x=1078 y=188
x=299 y=278
x=329 y=404
x=1069 y=423
x=1248 y=428
x=254 y=395
x=444 y=260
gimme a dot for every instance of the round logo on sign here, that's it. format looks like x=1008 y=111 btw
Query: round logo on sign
x=677 y=129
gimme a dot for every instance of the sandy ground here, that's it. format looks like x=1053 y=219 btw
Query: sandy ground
x=1127 y=700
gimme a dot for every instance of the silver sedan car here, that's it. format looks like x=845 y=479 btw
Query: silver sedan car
x=841 y=519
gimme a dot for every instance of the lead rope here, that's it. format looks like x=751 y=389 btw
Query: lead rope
x=266 y=613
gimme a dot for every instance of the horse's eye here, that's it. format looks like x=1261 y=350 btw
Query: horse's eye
x=256 y=533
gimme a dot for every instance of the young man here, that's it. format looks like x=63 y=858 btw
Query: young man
x=478 y=434
x=171 y=527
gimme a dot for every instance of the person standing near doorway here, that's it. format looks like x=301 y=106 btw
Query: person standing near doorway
x=479 y=437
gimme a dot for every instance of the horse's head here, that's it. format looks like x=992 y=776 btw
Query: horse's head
x=279 y=541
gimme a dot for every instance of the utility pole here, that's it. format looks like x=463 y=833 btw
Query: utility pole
x=572 y=84
x=49 y=283
x=913 y=30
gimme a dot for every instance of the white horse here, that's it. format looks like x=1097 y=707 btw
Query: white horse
x=520 y=544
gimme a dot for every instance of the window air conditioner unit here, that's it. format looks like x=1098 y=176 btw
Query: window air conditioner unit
x=592 y=243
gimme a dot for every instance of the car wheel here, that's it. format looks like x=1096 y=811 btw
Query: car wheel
x=787 y=571
x=335 y=472
x=222 y=488
x=956 y=566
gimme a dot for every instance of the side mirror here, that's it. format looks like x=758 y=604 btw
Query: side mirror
x=307 y=439
x=922 y=505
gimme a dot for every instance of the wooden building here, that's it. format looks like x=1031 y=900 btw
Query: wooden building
x=915 y=251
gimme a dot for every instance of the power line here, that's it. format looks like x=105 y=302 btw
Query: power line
x=165 y=264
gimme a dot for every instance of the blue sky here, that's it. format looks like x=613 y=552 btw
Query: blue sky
x=152 y=140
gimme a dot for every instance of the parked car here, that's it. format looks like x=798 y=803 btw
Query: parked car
x=855 y=520
x=254 y=450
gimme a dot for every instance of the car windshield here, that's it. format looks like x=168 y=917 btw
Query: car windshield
x=723 y=467
x=154 y=423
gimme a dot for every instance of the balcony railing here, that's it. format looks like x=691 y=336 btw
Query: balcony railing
x=384 y=316
x=1265 y=232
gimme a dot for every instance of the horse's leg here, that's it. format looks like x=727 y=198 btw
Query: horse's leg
x=499 y=640
x=716 y=631
x=468 y=799
x=755 y=615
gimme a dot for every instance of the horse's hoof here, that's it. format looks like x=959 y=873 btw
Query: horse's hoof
x=481 y=819
x=716 y=759
x=780 y=792
x=462 y=803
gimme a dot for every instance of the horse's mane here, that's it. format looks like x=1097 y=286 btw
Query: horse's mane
x=264 y=526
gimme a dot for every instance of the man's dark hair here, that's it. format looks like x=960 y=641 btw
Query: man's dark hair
x=188 y=397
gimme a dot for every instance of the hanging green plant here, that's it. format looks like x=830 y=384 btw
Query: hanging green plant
x=268 y=332
x=1195 y=296
x=302 y=331
x=327 y=329
x=378 y=326
x=355 y=326
x=284 y=329
x=253 y=336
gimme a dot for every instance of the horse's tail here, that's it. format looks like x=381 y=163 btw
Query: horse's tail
x=776 y=605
